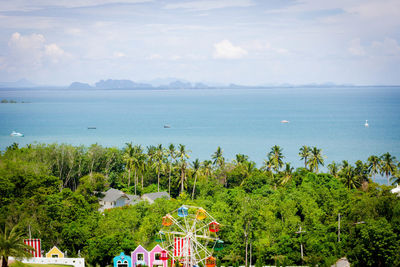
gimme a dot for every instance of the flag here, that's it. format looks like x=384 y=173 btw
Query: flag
x=36 y=244
x=181 y=249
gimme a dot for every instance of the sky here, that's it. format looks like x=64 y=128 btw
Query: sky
x=252 y=42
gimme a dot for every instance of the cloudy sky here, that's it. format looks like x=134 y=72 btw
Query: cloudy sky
x=223 y=41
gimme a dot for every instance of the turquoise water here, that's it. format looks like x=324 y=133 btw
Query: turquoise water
x=240 y=121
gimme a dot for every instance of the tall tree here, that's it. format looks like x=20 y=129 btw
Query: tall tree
x=128 y=159
x=138 y=160
x=219 y=161
x=183 y=156
x=388 y=165
x=196 y=167
x=207 y=168
x=348 y=176
x=305 y=153
x=333 y=169
x=12 y=244
x=374 y=165
x=218 y=158
x=316 y=159
x=159 y=163
x=276 y=157
x=287 y=174
x=171 y=154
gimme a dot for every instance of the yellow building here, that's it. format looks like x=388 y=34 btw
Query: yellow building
x=54 y=253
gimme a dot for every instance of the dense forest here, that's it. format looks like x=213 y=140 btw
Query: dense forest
x=53 y=190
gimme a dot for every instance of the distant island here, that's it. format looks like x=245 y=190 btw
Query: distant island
x=178 y=84
x=165 y=84
x=5 y=101
x=128 y=84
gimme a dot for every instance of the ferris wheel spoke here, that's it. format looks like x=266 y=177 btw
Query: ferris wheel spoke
x=188 y=236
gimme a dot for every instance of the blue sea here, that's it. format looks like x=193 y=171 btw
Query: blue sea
x=246 y=121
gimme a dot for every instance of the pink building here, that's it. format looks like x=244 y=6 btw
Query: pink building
x=140 y=257
x=154 y=258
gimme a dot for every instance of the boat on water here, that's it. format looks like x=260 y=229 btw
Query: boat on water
x=91 y=128
x=16 y=134
x=284 y=121
x=366 y=123
x=167 y=126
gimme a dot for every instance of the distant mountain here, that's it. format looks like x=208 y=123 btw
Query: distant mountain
x=164 y=81
x=78 y=85
x=172 y=83
x=22 y=83
x=121 y=84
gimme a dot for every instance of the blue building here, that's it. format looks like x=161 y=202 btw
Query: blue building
x=122 y=261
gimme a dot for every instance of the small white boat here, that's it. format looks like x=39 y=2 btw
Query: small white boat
x=15 y=134
x=284 y=121
x=366 y=123
x=167 y=126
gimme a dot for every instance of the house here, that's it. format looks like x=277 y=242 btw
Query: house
x=140 y=257
x=115 y=198
x=151 y=197
x=122 y=260
x=342 y=262
x=396 y=190
x=54 y=253
x=155 y=260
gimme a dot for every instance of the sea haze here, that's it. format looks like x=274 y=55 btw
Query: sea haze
x=246 y=121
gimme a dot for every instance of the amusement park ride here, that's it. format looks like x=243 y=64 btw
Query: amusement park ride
x=189 y=237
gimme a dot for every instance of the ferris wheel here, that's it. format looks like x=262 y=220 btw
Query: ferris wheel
x=189 y=237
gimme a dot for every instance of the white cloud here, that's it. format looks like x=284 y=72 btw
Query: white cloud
x=226 y=50
x=154 y=57
x=374 y=9
x=208 y=5
x=388 y=47
x=32 y=52
x=355 y=48
x=27 y=5
x=119 y=54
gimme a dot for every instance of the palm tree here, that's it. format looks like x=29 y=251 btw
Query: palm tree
x=159 y=157
x=248 y=168
x=240 y=159
x=218 y=157
x=182 y=155
x=128 y=158
x=137 y=161
x=388 y=166
x=207 y=168
x=276 y=156
x=348 y=177
x=287 y=174
x=267 y=166
x=333 y=169
x=395 y=179
x=12 y=244
x=171 y=154
x=219 y=161
x=316 y=159
x=374 y=165
x=361 y=171
x=196 y=167
x=151 y=153
x=305 y=153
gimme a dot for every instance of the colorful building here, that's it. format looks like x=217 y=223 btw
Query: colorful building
x=122 y=261
x=54 y=253
x=155 y=260
x=140 y=257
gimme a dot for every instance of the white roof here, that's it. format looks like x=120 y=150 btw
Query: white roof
x=396 y=190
